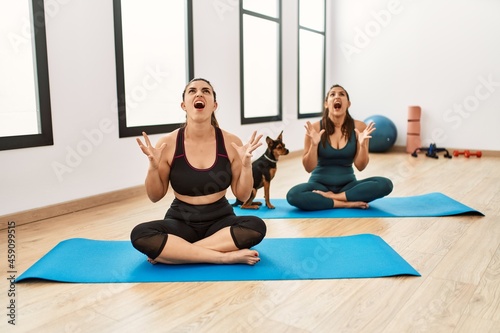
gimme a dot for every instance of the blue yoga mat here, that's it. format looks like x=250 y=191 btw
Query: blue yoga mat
x=80 y=260
x=426 y=205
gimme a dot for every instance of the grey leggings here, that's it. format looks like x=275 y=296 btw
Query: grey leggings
x=366 y=190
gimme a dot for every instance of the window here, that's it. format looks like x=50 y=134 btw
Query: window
x=260 y=61
x=25 y=113
x=154 y=61
x=311 y=74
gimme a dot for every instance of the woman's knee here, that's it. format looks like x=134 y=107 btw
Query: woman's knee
x=388 y=186
x=147 y=240
x=292 y=195
x=249 y=233
x=258 y=225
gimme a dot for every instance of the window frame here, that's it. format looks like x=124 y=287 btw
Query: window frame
x=130 y=131
x=323 y=33
x=41 y=68
x=261 y=119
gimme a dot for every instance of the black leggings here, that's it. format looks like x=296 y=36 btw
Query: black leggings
x=195 y=222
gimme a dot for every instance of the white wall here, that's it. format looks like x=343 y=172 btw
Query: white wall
x=431 y=53
x=80 y=45
x=390 y=54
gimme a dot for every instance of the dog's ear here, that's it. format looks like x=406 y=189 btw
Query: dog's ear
x=269 y=141
x=280 y=137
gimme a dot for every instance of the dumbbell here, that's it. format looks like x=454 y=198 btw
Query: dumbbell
x=467 y=153
x=477 y=153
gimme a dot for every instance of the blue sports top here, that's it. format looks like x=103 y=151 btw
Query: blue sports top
x=188 y=180
x=335 y=165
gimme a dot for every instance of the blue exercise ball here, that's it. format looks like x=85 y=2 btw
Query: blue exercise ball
x=385 y=135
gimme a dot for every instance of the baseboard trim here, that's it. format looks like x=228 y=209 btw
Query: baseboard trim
x=42 y=213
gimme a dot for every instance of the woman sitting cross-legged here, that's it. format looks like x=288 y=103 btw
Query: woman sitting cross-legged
x=200 y=161
x=331 y=147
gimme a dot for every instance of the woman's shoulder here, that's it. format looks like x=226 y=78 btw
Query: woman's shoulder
x=317 y=124
x=359 y=125
x=168 y=138
x=230 y=137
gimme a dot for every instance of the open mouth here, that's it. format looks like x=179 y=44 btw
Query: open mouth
x=337 y=105
x=199 y=105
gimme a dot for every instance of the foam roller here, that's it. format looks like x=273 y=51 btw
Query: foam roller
x=413 y=140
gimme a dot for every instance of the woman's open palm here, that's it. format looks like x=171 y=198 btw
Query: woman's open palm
x=154 y=154
x=245 y=151
x=366 y=134
x=314 y=135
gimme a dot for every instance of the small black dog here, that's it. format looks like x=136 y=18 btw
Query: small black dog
x=264 y=169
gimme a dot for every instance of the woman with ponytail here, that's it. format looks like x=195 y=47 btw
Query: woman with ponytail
x=200 y=162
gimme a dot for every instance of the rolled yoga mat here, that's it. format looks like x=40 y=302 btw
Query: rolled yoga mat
x=426 y=205
x=413 y=140
x=80 y=260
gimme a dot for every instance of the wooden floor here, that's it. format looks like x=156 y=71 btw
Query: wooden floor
x=458 y=257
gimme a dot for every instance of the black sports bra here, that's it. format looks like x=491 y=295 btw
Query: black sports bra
x=188 y=180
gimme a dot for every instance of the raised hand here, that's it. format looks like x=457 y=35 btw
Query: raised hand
x=366 y=134
x=314 y=135
x=153 y=154
x=245 y=151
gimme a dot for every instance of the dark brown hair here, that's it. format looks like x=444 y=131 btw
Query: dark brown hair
x=214 y=121
x=347 y=127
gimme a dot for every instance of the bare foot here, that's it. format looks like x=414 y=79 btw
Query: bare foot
x=350 y=204
x=331 y=195
x=340 y=201
x=244 y=256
